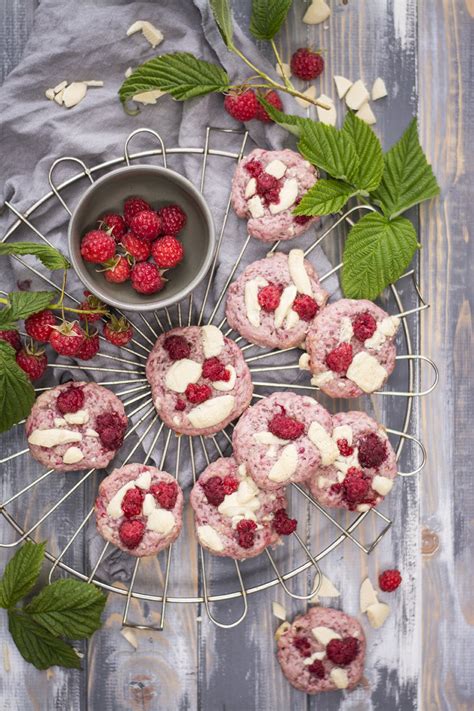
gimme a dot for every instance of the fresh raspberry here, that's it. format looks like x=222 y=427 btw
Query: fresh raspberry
x=132 y=502
x=303 y=645
x=90 y=346
x=241 y=105
x=180 y=405
x=364 y=326
x=32 y=361
x=173 y=219
x=273 y=98
x=389 y=580
x=214 y=490
x=12 y=337
x=336 y=488
x=213 y=369
x=230 y=485
x=283 y=524
x=131 y=532
x=177 y=347
x=340 y=358
x=137 y=248
x=269 y=297
x=97 y=247
x=146 y=279
x=111 y=429
x=342 y=651
x=372 y=451
x=117 y=270
x=300 y=219
x=70 y=400
x=285 y=427
x=344 y=448
x=165 y=493
x=305 y=306
x=254 y=167
x=355 y=488
x=115 y=224
x=246 y=533
x=118 y=331
x=39 y=325
x=306 y=64
x=167 y=252
x=67 y=338
x=317 y=668
x=198 y=393
x=132 y=206
x=146 y=225
x=91 y=303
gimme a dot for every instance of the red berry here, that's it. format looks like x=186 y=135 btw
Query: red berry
x=146 y=225
x=372 y=451
x=173 y=219
x=165 y=493
x=132 y=206
x=389 y=580
x=285 y=427
x=180 y=405
x=305 y=306
x=317 y=668
x=32 y=362
x=344 y=448
x=118 y=331
x=230 y=484
x=342 y=651
x=67 y=338
x=92 y=303
x=12 y=337
x=146 y=279
x=364 y=326
x=198 y=393
x=115 y=224
x=117 y=270
x=303 y=645
x=268 y=187
x=97 y=247
x=306 y=64
x=340 y=358
x=167 y=252
x=355 y=488
x=90 y=346
x=241 y=105
x=214 y=369
x=132 y=502
x=254 y=167
x=111 y=429
x=214 y=490
x=283 y=524
x=273 y=98
x=269 y=297
x=70 y=400
x=246 y=533
x=300 y=219
x=137 y=248
x=39 y=325
x=131 y=532
x=177 y=347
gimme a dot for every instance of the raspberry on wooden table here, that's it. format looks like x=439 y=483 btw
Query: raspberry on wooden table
x=305 y=306
x=167 y=252
x=197 y=394
x=241 y=105
x=90 y=346
x=166 y=493
x=389 y=580
x=146 y=224
x=173 y=219
x=97 y=247
x=269 y=297
x=132 y=206
x=137 y=248
x=342 y=651
x=39 y=325
x=67 y=338
x=115 y=224
x=70 y=400
x=339 y=359
x=131 y=532
x=146 y=279
x=285 y=427
x=132 y=502
x=306 y=64
x=12 y=337
x=117 y=270
x=273 y=98
x=364 y=326
x=177 y=347
x=32 y=362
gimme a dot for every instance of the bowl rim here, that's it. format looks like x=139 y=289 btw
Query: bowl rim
x=162 y=302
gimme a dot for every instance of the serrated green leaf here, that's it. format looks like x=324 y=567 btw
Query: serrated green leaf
x=17 y=391
x=291 y=123
x=325 y=197
x=38 y=646
x=50 y=257
x=407 y=178
x=267 y=17
x=376 y=253
x=329 y=149
x=369 y=152
x=23 y=304
x=179 y=74
x=223 y=17
x=68 y=608
x=21 y=573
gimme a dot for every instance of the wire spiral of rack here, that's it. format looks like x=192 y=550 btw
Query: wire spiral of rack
x=146 y=431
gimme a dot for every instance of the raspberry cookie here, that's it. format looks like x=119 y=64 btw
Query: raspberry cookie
x=76 y=426
x=139 y=509
x=351 y=348
x=322 y=650
x=266 y=187
x=284 y=438
x=199 y=380
x=233 y=516
x=363 y=471
x=275 y=300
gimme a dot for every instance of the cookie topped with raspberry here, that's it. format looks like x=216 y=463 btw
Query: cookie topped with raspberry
x=351 y=348
x=275 y=300
x=199 y=379
x=266 y=187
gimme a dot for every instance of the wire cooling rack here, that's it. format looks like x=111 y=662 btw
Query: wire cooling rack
x=148 y=434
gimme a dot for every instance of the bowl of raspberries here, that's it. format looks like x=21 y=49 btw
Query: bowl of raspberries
x=141 y=238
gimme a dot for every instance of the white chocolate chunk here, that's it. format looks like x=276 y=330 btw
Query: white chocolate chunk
x=130 y=636
x=362 y=508
x=212 y=341
x=324 y=635
x=339 y=677
x=303 y=362
x=151 y=33
x=149 y=504
x=286 y=302
x=255 y=206
x=299 y=275
x=148 y=97
x=346 y=332
x=366 y=114
x=327 y=589
x=77 y=418
x=279 y=611
x=242 y=470
x=357 y=95
x=94 y=82
x=58 y=98
x=269 y=438
x=143 y=481
x=288 y=195
x=367 y=595
x=286 y=464
x=251 y=299
x=322 y=378
x=54 y=436
x=382 y=484
x=379 y=90
x=242 y=503
x=91 y=433
x=310 y=92
x=161 y=521
x=366 y=372
x=317 y=12
x=343 y=432
x=386 y=328
x=49 y=93
x=59 y=422
x=182 y=373
x=286 y=70
x=324 y=442
x=209 y=537
x=342 y=85
x=74 y=93
x=250 y=188
x=276 y=168
x=128 y=72
x=327 y=116
x=72 y=455
x=292 y=319
x=114 y=507
x=377 y=614
x=226 y=385
x=315 y=655
x=59 y=87
x=211 y=412
x=323 y=482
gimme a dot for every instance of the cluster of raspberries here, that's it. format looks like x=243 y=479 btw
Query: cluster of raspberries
x=132 y=528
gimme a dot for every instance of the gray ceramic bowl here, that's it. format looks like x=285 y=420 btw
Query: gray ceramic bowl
x=159 y=186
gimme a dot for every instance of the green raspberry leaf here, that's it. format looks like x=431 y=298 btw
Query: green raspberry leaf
x=376 y=253
x=18 y=394
x=331 y=150
x=369 y=151
x=407 y=177
x=267 y=17
x=291 y=123
x=325 y=197
x=223 y=17
x=21 y=573
x=23 y=304
x=38 y=646
x=179 y=74
x=50 y=257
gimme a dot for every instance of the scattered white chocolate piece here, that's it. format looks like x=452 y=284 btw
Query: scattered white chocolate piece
x=128 y=72
x=327 y=116
x=288 y=195
x=286 y=73
x=327 y=589
x=59 y=97
x=339 y=677
x=310 y=92
x=377 y=614
x=357 y=95
x=317 y=12
x=367 y=595
x=379 y=90
x=130 y=636
x=366 y=114
x=74 y=93
x=324 y=635
x=49 y=93
x=303 y=362
x=60 y=86
x=276 y=168
x=94 y=82
x=342 y=85
x=279 y=611
x=151 y=33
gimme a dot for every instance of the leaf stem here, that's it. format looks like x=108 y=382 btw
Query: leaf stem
x=288 y=83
